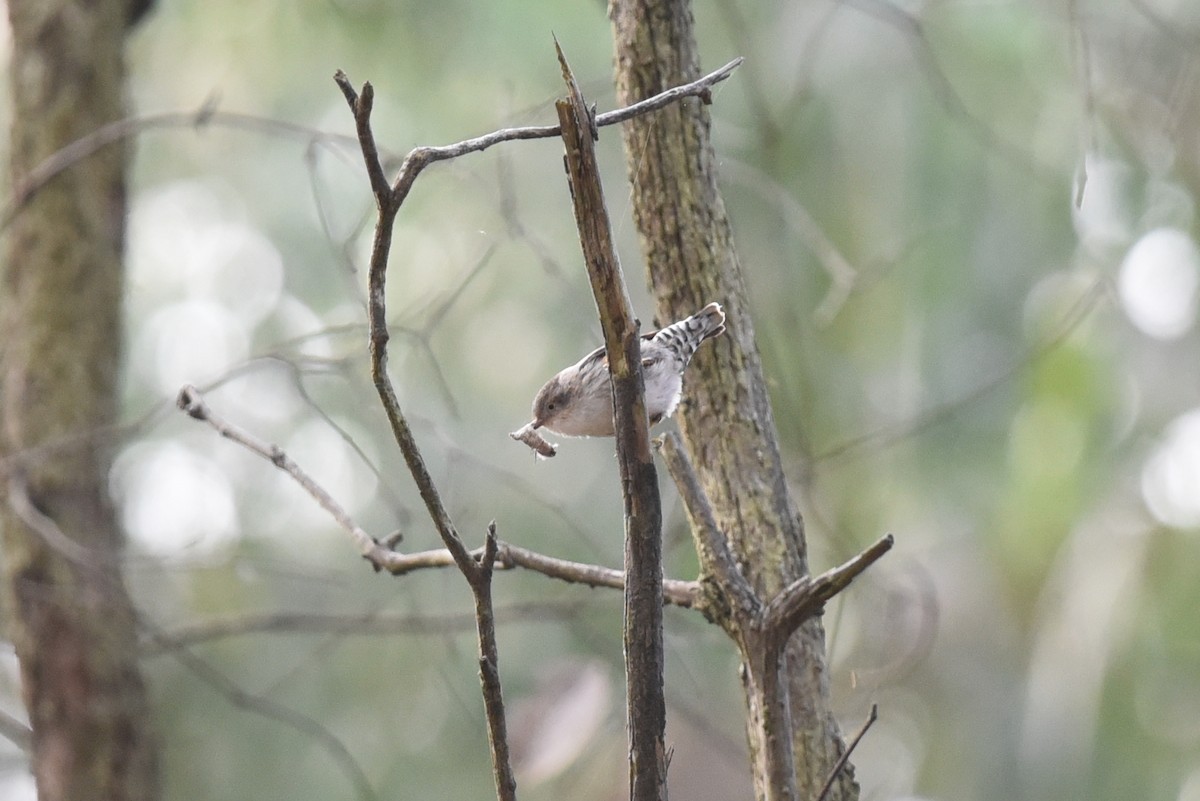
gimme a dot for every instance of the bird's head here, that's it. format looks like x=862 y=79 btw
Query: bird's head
x=553 y=402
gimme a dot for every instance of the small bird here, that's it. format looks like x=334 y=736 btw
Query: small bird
x=578 y=401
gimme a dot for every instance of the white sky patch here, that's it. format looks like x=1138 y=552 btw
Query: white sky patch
x=1171 y=476
x=173 y=499
x=1158 y=282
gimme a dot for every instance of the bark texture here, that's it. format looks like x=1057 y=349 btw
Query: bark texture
x=643 y=645
x=729 y=428
x=67 y=610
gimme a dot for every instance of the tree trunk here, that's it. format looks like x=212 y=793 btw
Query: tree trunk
x=728 y=427
x=68 y=613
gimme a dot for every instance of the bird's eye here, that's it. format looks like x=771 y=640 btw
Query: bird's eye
x=550 y=406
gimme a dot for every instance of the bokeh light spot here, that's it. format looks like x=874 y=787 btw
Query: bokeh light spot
x=1171 y=476
x=173 y=499
x=1158 y=283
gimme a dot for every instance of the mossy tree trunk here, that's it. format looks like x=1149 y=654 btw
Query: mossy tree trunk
x=67 y=610
x=729 y=428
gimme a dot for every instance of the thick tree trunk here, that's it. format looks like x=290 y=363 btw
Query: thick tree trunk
x=68 y=613
x=729 y=428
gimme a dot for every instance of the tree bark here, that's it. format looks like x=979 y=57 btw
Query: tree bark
x=687 y=244
x=68 y=613
x=646 y=714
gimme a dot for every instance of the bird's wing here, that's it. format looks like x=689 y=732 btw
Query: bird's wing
x=599 y=355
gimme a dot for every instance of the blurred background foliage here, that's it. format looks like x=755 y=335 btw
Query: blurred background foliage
x=969 y=231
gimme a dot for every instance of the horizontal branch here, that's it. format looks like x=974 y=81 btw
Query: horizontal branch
x=381 y=557
x=676 y=592
x=700 y=87
x=192 y=402
x=371 y=623
x=205 y=116
x=421 y=157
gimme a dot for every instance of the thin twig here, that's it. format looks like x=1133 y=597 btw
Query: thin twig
x=674 y=591
x=192 y=402
x=48 y=529
x=371 y=623
x=489 y=669
x=205 y=116
x=360 y=107
x=389 y=202
x=420 y=158
x=272 y=710
x=16 y=731
x=845 y=757
x=679 y=593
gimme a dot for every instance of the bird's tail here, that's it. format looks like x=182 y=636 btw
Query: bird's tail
x=686 y=335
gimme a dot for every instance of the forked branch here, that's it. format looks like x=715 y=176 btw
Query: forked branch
x=383 y=557
x=479 y=565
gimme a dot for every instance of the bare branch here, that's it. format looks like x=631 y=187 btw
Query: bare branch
x=716 y=560
x=700 y=87
x=645 y=703
x=360 y=107
x=15 y=731
x=420 y=158
x=371 y=623
x=205 y=116
x=50 y=532
x=489 y=669
x=192 y=402
x=389 y=205
x=806 y=596
x=679 y=593
x=674 y=591
x=845 y=757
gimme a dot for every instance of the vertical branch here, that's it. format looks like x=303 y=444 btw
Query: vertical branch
x=478 y=574
x=480 y=580
x=389 y=200
x=646 y=708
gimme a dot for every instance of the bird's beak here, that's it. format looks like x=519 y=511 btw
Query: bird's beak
x=535 y=424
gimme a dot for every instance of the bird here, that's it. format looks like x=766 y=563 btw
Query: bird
x=578 y=401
